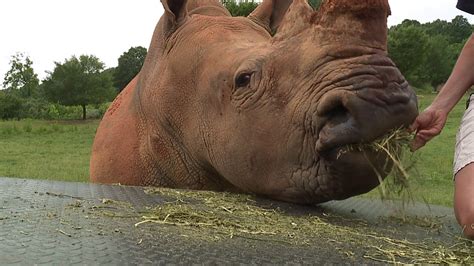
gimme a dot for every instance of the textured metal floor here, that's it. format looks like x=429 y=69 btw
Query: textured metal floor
x=49 y=222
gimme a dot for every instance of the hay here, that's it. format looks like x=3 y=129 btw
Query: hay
x=230 y=215
x=395 y=145
x=211 y=216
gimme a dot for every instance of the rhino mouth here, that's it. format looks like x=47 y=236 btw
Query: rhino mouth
x=355 y=154
x=357 y=171
x=346 y=134
x=356 y=167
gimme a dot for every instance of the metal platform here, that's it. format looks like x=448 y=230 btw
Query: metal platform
x=50 y=222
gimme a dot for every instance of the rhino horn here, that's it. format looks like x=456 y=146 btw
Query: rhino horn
x=363 y=20
x=297 y=18
x=270 y=13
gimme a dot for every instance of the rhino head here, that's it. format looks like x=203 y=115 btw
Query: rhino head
x=261 y=104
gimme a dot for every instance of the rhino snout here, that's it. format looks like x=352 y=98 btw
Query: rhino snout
x=348 y=117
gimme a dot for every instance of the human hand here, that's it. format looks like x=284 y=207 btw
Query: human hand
x=427 y=125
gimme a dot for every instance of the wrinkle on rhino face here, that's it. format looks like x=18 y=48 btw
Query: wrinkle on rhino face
x=262 y=104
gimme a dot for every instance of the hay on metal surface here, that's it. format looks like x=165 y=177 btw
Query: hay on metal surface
x=212 y=216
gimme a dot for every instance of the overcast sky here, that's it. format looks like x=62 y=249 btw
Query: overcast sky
x=53 y=30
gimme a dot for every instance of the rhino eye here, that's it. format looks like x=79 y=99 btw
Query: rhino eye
x=243 y=80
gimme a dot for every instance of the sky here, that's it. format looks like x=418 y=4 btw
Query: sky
x=51 y=31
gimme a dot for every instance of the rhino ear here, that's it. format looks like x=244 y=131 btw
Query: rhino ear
x=270 y=13
x=175 y=14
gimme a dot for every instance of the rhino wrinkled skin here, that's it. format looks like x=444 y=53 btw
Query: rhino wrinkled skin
x=261 y=104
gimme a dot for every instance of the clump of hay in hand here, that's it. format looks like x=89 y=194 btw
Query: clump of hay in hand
x=395 y=146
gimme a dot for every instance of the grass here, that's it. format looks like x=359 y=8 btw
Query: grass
x=61 y=151
x=46 y=150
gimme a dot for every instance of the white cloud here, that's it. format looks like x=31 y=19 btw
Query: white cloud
x=53 y=30
x=425 y=11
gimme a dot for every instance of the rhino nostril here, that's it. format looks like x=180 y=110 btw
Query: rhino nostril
x=336 y=126
x=331 y=103
x=331 y=111
x=338 y=115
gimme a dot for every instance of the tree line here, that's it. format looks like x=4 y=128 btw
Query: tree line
x=77 y=82
x=244 y=8
x=424 y=53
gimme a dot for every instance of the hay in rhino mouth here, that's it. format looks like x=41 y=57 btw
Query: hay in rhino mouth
x=394 y=145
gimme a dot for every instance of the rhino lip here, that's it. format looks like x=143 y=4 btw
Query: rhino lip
x=338 y=133
x=339 y=140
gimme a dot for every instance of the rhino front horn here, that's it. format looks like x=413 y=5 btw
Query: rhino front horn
x=363 y=20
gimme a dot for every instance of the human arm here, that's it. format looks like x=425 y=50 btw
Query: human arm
x=431 y=121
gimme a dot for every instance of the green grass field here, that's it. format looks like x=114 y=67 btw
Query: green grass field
x=46 y=150
x=61 y=150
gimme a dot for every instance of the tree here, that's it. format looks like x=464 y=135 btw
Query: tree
x=129 y=64
x=240 y=9
x=438 y=65
x=410 y=22
x=315 y=3
x=244 y=8
x=10 y=105
x=455 y=31
x=21 y=79
x=426 y=53
x=459 y=29
x=437 y=27
x=79 y=81
x=407 y=45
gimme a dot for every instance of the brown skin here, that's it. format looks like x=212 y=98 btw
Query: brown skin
x=221 y=104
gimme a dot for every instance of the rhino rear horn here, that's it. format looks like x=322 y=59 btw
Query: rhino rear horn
x=270 y=13
x=297 y=18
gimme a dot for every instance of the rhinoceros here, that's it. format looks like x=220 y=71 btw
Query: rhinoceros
x=260 y=104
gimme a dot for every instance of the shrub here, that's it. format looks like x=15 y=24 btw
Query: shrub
x=10 y=106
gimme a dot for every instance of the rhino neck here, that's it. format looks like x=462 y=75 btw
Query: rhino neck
x=115 y=156
x=167 y=160
x=169 y=164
